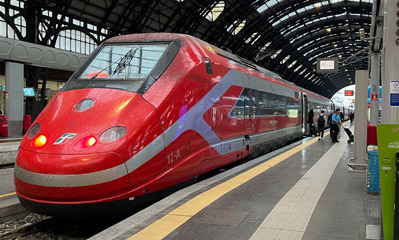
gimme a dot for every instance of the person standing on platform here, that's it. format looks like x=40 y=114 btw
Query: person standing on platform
x=329 y=119
x=335 y=122
x=341 y=116
x=312 y=130
x=321 y=121
x=351 y=116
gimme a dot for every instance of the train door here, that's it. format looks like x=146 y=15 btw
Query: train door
x=304 y=113
x=248 y=110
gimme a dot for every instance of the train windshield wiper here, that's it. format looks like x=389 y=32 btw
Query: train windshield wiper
x=124 y=61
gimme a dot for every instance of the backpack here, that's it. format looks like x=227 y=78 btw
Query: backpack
x=321 y=120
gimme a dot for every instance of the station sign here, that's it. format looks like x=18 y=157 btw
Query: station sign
x=349 y=93
x=2 y=88
x=327 y=65
x=394 y=94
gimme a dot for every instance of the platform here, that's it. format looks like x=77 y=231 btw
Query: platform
x=10 y=208
x=8 y=149
x=302 y=191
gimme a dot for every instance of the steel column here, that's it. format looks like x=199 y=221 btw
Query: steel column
x=361 y=84
x=15 y=97
x=374 y=87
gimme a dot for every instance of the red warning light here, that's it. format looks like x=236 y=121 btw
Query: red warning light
x=85 y=142
x=91 y=141
x=40 y=141
x=348 y=92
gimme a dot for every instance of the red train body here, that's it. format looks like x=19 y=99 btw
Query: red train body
x=149 y=111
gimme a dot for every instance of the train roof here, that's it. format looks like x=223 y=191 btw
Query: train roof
x=148 y=37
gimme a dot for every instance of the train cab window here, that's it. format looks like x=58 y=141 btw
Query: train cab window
x=208 y=64
x=124 y=62
x=131 y=67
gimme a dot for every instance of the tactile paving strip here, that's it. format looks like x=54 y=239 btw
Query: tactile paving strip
x=290 y=217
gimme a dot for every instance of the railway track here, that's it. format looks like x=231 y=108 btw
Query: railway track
x=36 y=226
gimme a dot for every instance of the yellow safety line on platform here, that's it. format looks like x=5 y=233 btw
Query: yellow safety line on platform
x=174 y=219
x=10 y=142
x=8 y=194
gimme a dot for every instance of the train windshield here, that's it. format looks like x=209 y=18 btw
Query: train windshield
x=131 y=67
x=124 y=62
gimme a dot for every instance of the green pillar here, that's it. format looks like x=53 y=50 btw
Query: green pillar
x=388 y=146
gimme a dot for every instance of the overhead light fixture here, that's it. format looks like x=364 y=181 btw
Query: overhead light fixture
x=362 y=35
x=318 y=5
x=340 y=56
x=346 y=70
x=335 y=45
x=328 y=30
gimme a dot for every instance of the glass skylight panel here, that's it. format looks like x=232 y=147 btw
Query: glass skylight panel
x=266 y=45
x=306 y=75
x=216 y=11
x=299 y=67
x=271 y=3
x=251 y=37
x=302 y=72
x=291 y=14
x=256 y=39
x=262 y=8
x=292 y=64
x=276 y=53
x=238 y=28
x=341 y=14
x=301 y=10
x=285 y=59
x=276 y=23
x=284 y=18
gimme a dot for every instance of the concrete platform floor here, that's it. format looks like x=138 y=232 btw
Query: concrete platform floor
x=10 y=208
x=8 y=149
x=306 y=195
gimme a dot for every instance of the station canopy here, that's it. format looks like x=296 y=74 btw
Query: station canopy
x=284 y=36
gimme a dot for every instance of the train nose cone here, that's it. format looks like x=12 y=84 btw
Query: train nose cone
x=56 y=177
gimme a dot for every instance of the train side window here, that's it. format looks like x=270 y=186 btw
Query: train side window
x=208 y=64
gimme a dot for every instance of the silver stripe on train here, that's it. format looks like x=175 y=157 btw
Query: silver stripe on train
x=70 y=180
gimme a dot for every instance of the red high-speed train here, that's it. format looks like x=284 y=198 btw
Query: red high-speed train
x=147 y=112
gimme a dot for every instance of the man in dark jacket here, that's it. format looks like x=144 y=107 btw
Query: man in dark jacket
x=329 y=118
x=321 y=121
x=312 y=130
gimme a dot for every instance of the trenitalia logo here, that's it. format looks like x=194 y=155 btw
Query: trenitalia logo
x=64 y=138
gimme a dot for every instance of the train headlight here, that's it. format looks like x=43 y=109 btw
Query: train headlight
x=40 y=141
x=33 y=131
x=86 y=142
x=112 y=134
